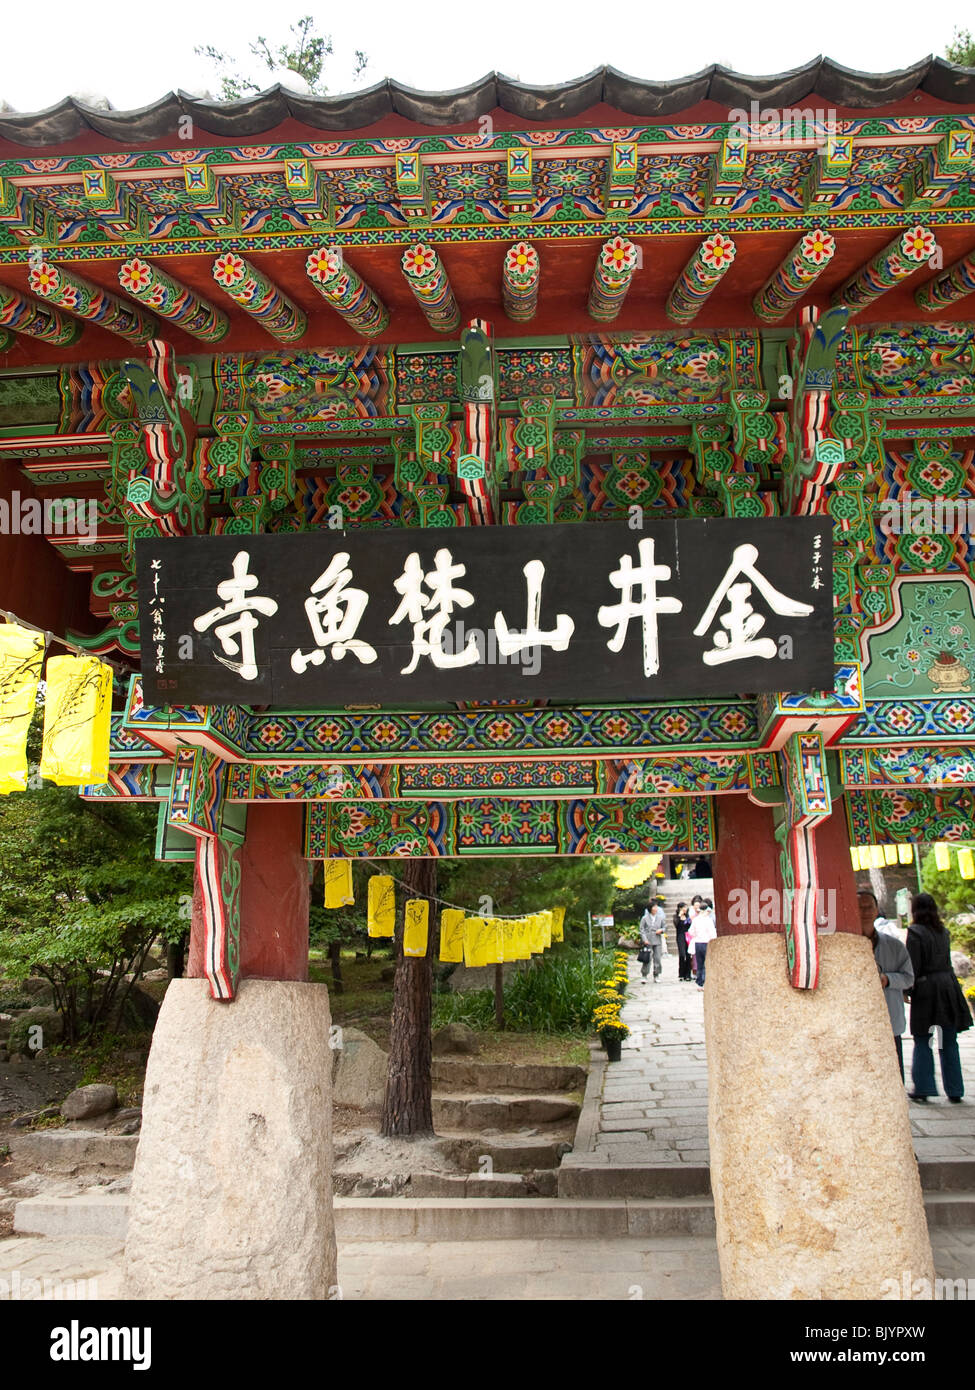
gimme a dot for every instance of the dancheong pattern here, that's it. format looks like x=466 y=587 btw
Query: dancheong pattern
x=507 y=826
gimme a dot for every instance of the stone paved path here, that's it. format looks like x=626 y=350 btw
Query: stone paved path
x=655 y=1099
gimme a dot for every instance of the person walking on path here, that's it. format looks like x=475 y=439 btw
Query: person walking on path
x=653 y=924
x=893 y=964
x=680 y=931
x=936 y=999
x=704 y=930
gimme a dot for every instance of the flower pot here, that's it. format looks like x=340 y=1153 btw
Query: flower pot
x=948 y=674
x=614 y=1049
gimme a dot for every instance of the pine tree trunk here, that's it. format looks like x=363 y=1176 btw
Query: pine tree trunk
x=408 y=1103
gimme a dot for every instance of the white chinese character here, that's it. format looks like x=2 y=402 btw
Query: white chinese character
x=233 y=592
x=741 y=621
x=441 y=600
x=334 y=617
x=626 y=578
x=558 y=638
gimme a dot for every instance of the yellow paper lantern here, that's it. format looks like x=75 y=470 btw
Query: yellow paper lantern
x=536 y=938
x=855 y=858
x=546 y=929
x=966 y=864
x=942 y=858
x=21 y=658
x=452 y=934
x=494 y=946
x=473 y=940
x=876 y=856
x=890 y=854
x=558 y=923
x=77 y=721
x=509 y=938
x=416 y=927
x=338 y=882
x=905 y=854
x=381 y=906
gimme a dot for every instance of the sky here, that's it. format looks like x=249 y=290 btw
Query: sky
x=135 y=58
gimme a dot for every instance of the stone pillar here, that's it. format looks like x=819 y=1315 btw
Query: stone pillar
x=232 y=1188
x=816 y=1188
x=232 y=1193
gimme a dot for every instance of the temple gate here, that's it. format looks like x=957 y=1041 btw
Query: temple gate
x=510 y=312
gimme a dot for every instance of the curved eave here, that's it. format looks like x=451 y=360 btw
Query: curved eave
x=631 y=95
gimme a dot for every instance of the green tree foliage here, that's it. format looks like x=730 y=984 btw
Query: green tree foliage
x=952 y=893
x=961 y=50
x=304 y=52
x=82 y=899
x=553 y=993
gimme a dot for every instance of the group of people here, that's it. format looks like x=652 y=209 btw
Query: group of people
x=921 y=971
x=694 y=927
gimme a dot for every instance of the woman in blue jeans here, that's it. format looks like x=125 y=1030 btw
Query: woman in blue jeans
x=936 y=998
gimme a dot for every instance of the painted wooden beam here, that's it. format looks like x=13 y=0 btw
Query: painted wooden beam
x=520 y=277
x=25 y=315
x=83 y=300
x=907 y=253
x=259 y=297
x=615 y=264
x=947 y=288
x=799 y=271
x=427 y=278
x=348 y=293
x=700 y=277
x=166 y=296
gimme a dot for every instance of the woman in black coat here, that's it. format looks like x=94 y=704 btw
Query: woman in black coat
x=680 y=928
x=936 y=998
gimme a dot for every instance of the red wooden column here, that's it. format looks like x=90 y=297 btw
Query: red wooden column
x=35 y=583
x=748 y=854
x=273 y=898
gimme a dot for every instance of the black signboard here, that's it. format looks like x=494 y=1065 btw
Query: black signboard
x=583 y=613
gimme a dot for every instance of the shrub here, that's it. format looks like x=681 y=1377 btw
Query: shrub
x=554 y=993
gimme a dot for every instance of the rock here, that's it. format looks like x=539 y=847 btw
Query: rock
x=128 y=1121
x=139 y=1011
x=961 y=964
x=6 y=1022
x=17 y=1059
x=50 y=1112
x=388 y=973
x=131 y=1112
x=231 y=1192
x=359 y=1072
x=133 y=1057
x=38 y=988
x=4 y=1054
x=456 y=1037
x=87 y=1101
x=50 y=1026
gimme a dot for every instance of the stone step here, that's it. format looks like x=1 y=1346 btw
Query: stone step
x=537 y=1183
x=458 y=1218
x=90 y=1214
x=950 y=1208
x=581 y=1175
x=74 y=1150
x=474 y=1111
x=513 y=1153
x=581 y=1179
x=464 y=1074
